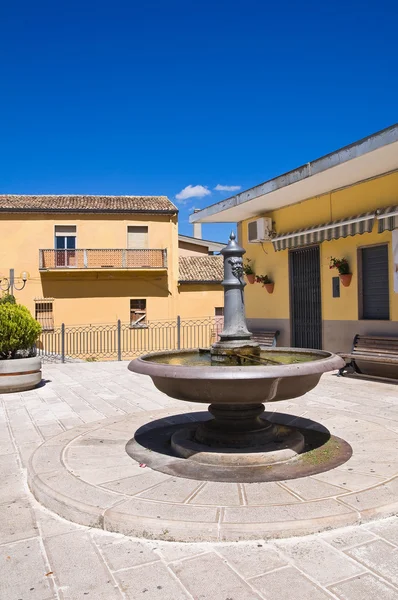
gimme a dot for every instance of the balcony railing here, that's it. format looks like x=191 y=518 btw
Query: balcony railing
x=103 y=259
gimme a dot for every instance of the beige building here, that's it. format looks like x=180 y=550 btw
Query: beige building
x=97 y=259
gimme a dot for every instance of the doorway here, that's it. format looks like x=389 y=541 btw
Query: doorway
x=305 y=298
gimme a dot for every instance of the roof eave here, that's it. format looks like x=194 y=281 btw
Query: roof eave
x=89 y=210
x=226 y=210
x=217 y=282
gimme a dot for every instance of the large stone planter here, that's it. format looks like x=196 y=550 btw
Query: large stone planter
x=19 y=374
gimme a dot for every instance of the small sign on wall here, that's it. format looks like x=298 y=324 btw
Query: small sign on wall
x=395 y=258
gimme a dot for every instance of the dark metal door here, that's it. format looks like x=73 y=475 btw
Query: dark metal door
x=305 y=298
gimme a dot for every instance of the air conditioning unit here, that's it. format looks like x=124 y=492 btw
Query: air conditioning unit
x=260 y=230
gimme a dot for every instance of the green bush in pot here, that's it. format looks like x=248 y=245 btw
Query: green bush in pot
x=18 y=330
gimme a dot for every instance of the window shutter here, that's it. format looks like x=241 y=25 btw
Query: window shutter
x=137 y=237
x=375 y=288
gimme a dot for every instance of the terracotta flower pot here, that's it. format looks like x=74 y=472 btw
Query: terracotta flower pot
x=251 y=278
x=346 y=279
x=269 y=287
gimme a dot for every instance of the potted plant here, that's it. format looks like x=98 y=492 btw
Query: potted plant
x=20 y=368
x=249 y=271
x=342 y=266
x=266 y=282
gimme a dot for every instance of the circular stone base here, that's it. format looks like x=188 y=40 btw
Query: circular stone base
x=85 y=475
x=288 y=443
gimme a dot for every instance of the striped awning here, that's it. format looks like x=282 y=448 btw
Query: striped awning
x=329 y=231
x=387 y=218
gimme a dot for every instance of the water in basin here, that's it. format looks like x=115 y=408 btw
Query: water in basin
x=203 y=359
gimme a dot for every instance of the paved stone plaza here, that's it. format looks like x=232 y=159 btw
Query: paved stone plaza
x=43 y=556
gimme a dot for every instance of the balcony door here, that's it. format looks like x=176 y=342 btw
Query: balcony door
x=65 y=246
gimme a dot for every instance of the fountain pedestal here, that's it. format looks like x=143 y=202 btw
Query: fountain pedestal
x=237 y=436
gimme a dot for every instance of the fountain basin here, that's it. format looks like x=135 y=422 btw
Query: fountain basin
x=176 y=374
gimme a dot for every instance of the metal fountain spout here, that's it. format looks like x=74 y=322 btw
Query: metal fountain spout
x=235 y=339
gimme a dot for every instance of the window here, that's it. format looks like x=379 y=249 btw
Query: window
x=137 y=237
x=65 y=245
x=374 y=287
x=219 y=311
x=44 y=314
x=137 y=313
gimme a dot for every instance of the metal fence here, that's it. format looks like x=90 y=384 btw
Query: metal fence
x=122 y=341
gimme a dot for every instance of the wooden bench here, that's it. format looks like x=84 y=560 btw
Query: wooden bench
x=376 y=356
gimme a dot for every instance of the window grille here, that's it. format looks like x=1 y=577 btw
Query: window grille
x=44 y=315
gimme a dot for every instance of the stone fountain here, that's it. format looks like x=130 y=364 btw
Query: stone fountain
x=96 y=475
x=236 y=376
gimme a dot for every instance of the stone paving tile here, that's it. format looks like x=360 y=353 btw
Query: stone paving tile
x=314 y=555
x=122 y=552
x=272 y=493
x=170 y=552
x=172 y=490
x=16 y=521
x=311 y=489
x=387 y=529
x=154 y=582
x=208 y=577
x=363 y=587
x=23 y=572
x=6 y=445
x=384 y=494
x=288 y=584
x=79 y=569
x=348 y=480
x=217 y=494
x=138 y=483
x=380 y=557
x=253 y=560
x=347 y=537
x=12 y=482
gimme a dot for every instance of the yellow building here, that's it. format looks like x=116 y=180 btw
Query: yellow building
x=97 y=259
x=343 y=205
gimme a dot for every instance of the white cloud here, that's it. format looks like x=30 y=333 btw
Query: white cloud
x=192 y=191
x=227 y=188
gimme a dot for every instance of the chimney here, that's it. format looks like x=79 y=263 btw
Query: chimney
x=197 y=227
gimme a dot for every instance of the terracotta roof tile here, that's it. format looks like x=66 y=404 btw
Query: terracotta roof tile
x=201 y=269
x=71 y=203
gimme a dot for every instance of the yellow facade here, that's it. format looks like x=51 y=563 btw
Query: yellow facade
x=99 y=295
x=273 y=310
x=199 y=299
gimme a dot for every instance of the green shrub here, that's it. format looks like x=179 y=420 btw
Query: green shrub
x=18 y=330
x=7 y=299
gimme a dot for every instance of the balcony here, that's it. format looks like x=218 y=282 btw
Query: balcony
x=102 y=259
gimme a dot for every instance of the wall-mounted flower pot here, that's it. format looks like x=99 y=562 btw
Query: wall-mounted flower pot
x=269 y=287
x=346 y=279
x=251 y=278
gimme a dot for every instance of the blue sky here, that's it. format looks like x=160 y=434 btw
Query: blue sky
x=150 y=97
